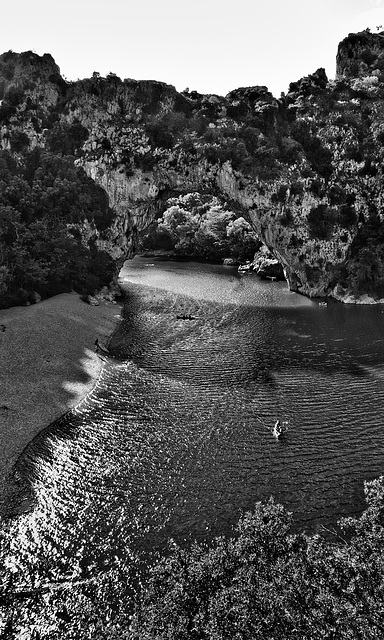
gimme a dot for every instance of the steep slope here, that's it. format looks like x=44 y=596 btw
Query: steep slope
x=305 y=170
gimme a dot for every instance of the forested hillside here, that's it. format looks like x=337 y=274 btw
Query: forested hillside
x=45 y=201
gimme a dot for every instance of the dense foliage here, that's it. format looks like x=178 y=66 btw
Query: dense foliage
x=44 y=201
x=267 y=583
x=84 y=581
x=306 y=166
x=198 y=225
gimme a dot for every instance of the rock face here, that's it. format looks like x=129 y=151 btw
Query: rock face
x=305 y=170
x=266 y=266
x=360 y=55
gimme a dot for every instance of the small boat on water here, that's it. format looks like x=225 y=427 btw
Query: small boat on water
x=99 y=347
x=185 y=317
x=277 y=430
x=243 y=268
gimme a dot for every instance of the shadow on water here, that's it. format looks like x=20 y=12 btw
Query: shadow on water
x=253 y=342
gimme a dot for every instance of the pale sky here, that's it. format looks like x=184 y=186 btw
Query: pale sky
x=211 y=46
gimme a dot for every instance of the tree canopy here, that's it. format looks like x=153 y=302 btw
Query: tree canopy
x=44 y=201
x=199 y=225
x=262 y=582
x=266 y=582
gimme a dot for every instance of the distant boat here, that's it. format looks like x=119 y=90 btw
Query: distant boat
x=99 y=347
x=277 y=430
x=323 y=304
x=245 y=267
x=185 y=317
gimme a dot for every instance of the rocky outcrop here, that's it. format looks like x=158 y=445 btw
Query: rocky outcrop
x=305 y=170
x=266 y=266
x=360 y=55
x=38 y=75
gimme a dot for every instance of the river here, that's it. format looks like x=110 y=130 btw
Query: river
x=179 y=426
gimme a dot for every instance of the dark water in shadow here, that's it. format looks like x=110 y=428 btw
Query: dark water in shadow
x=179 y=431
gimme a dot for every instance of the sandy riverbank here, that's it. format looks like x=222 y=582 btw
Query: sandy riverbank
x=47 y=365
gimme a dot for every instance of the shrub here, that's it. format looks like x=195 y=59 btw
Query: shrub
x=7 y=111
x=250 y=136
x=286 y=219
x=319 y=156
x=65 y=138
x=365 y=86
x=296 y=189
x=321 y=221
x=264 y=582
x=369 y=168
x=14 y=96
x=163 y=129
x=45 y=200
x=19 y=140
x=317 y=187
x=281 y=194
x=290 y=150
x=347 y=216
x=368 y=56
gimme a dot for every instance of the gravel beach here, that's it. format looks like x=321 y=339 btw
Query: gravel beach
x=47 y=365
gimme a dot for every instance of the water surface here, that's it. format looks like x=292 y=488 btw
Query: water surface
x=179 y=431
x=257 y=352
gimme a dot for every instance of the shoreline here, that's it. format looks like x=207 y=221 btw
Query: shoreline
x=48 y=364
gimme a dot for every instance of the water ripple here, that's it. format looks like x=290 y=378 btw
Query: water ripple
x=177 y=434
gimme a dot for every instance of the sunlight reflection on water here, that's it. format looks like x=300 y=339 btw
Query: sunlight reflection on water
x=212 y=283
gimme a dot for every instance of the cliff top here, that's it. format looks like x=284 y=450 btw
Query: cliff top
x=359 y=54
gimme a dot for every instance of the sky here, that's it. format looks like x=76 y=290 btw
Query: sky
x=210 y=46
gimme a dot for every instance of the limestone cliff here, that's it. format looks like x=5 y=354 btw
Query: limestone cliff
x=360 y=55
x=305 y=170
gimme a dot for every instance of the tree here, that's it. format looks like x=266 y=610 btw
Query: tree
x=44 y=201
x=181 y=226
x=242 y=239
x=200 y=226
x=268 y=583
x=262 y=582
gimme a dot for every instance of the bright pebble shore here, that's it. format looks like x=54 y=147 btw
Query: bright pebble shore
x=48 y=365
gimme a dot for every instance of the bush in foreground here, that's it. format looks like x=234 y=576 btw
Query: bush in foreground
x=267 y=583
x=264 y=582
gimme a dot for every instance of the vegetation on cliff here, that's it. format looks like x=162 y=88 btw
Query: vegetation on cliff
x=304 y=170
x=44 y=203
x=264 y=581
